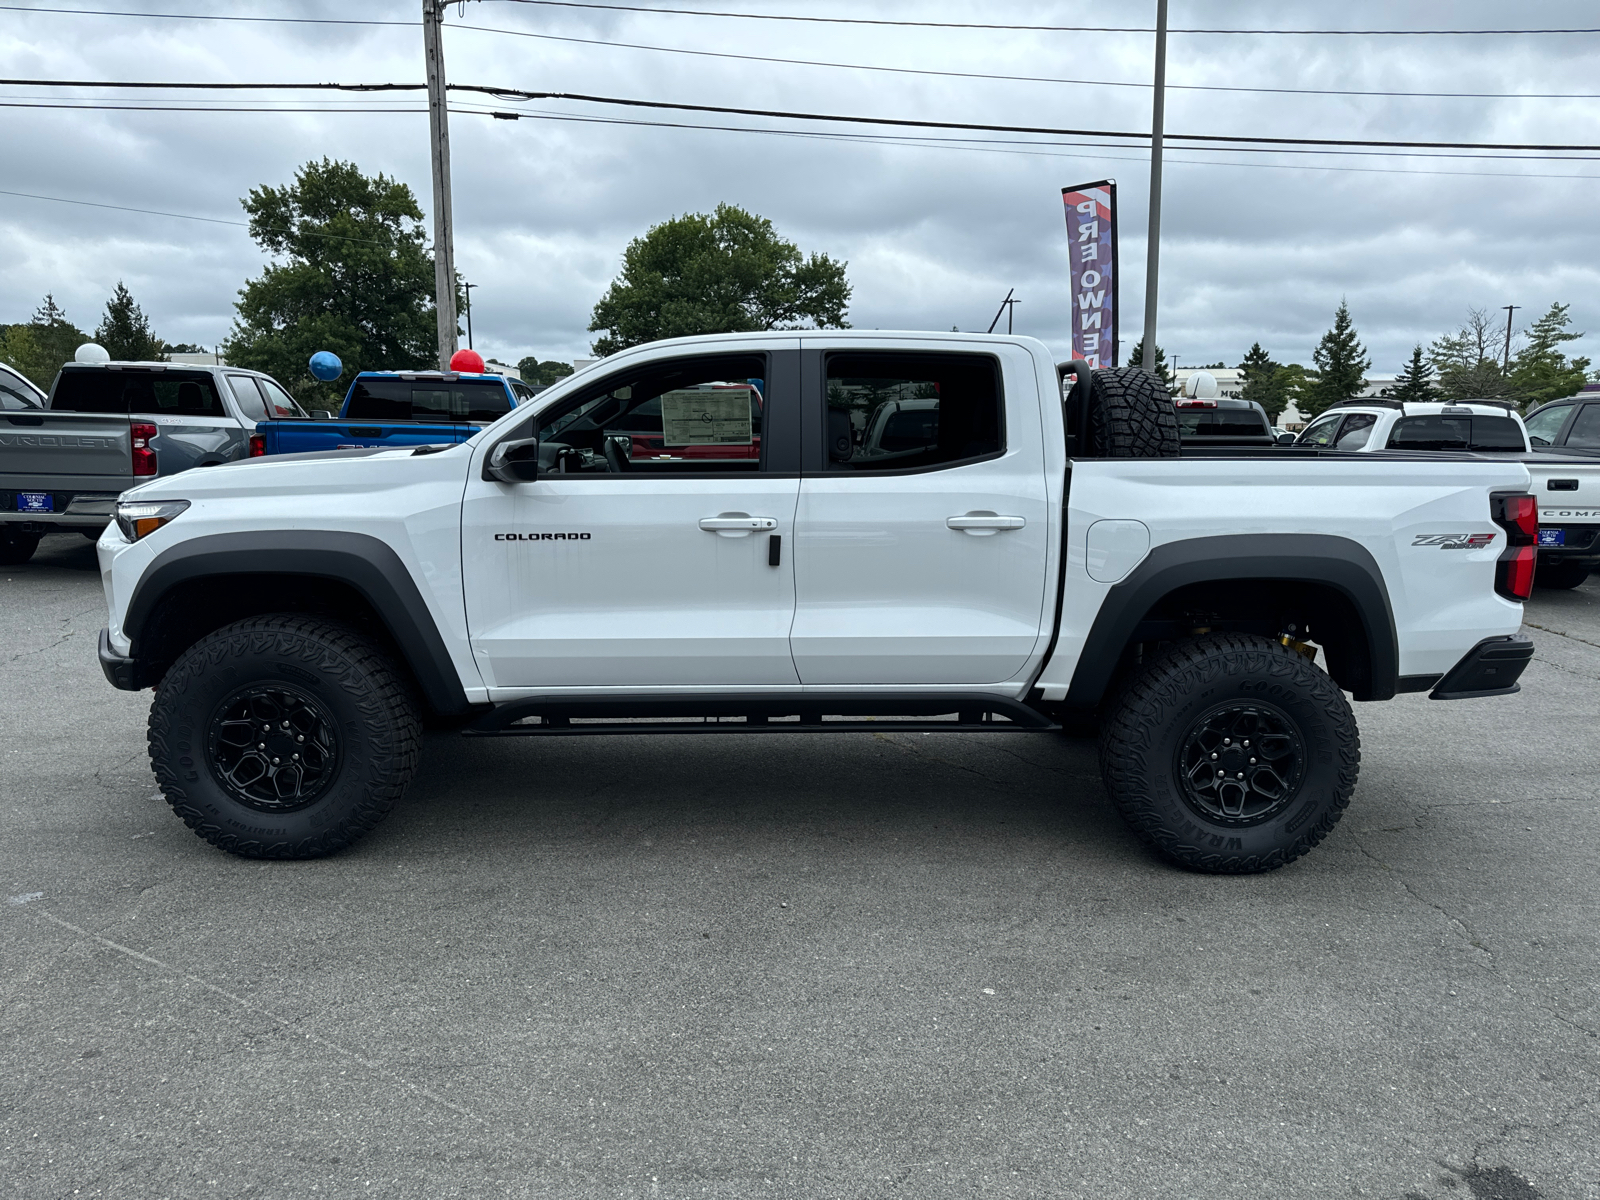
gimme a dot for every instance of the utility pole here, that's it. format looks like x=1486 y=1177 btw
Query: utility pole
x=1510 y=308
x=467 y=287
x=1007 y=306
x=444 y=250
x=1152 y=262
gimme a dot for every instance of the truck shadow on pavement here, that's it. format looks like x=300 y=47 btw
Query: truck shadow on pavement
x=1026 y=792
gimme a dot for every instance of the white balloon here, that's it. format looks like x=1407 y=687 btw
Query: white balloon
x=91 y=353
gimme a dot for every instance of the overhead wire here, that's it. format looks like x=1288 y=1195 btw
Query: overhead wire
x=749 y=16
x=1220 y=141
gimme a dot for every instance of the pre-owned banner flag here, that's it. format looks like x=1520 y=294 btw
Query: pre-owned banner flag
x=1092 y=245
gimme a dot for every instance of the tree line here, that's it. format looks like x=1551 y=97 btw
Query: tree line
x=39 y=346
x=1460 y=365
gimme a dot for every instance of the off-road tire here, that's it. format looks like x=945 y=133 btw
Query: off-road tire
x=1560 y=575
x=1144 y=740
x=17 y=548
x=372 y=722
x=1131 y=415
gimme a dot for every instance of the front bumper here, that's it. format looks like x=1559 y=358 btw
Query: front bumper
x=121 y=671
x=1491 y=668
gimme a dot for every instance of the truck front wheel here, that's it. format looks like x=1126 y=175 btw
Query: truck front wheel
x=283 y=737
x=1231 y=754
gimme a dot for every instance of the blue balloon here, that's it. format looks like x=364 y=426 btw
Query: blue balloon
x=326 y=366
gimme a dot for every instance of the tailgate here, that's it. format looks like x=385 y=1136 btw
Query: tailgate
x=80 y=451
x=394 y=434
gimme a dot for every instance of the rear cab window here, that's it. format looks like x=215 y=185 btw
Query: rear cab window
x=140 y=392
x=1220 y=422
x=439 y=401
x=1455 y=433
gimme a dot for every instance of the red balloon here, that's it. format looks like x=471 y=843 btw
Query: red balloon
x=469 y=361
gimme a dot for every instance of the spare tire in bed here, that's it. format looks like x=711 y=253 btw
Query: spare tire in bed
x=1131 y=415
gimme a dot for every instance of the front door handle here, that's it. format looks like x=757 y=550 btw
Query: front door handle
x=737 y=524
x=984 y=524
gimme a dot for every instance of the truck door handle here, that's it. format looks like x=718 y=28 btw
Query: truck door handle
x=737 y=524
x=984 y=524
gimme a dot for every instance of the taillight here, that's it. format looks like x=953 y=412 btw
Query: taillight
x=1518 y=514
x=144 y=458
x=258 y=445
x=1192 y=403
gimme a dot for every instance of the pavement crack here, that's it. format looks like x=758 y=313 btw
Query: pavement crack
x=1569 y=636
x=910 y=748
x=282 y=1022
x=1564 y=669
x=1466 y=931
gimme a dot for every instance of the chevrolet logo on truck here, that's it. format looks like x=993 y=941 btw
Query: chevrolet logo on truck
x=52 y=439
x=1455 y=541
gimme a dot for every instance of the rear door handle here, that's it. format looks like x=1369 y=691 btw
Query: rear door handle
x=984 y=523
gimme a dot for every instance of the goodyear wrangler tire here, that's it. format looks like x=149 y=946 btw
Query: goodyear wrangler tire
x=1231 y=754
x=283 y=737
x=1132 y=416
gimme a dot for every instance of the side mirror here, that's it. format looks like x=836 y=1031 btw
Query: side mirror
x=1287 y=439
x=513 y=461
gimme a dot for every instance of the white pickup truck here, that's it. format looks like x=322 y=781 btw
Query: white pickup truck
x=1019 y=560
x=1569 y=521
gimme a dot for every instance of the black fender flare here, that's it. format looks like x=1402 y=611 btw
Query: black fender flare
x=1337 y=562
x=365 y=563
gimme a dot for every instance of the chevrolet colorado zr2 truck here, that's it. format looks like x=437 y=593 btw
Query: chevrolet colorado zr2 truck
x=1030 y=558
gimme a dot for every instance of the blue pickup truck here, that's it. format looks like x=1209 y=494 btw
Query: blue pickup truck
x=398 y=408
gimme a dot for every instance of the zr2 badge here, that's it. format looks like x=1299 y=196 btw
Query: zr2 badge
x=1455 y=541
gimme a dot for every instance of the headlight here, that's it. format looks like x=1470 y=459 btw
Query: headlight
x=141 y=518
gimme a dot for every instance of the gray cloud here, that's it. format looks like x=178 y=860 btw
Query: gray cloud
x=1262 y=248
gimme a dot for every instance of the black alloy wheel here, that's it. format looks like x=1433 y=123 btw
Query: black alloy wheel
x=1241 y=763
x=273 y=747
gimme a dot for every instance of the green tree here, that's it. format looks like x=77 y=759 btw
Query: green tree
x=724 y=273
x=39 y=348
x=1416 y=379
x=124 y=331
x=1136 y=359
x=1342 y=364
x=547 y=372
x=1259 y=375
x=1468 y=360
x=1541 y=372
x=355 y=277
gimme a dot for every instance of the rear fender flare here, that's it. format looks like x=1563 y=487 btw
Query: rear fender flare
x=1339 y=563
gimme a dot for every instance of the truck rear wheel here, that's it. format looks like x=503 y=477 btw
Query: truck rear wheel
x=16 y=548
x=1231 y=754
x=1132 y=416
x=283 y=737
x=1560 y=575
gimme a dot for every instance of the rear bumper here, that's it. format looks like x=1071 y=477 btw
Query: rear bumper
x=1491 y=668
x=121 y=671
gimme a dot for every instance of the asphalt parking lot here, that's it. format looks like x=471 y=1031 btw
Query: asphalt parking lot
x=797 y=966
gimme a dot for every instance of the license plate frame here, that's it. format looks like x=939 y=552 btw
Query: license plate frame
x=36 y=502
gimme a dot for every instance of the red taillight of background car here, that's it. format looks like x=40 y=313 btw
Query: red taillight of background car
x=144 y=458
x=1518 y=514
x=258 y=445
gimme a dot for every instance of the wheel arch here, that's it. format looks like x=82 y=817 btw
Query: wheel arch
x=1247 y=581
x=199 y=586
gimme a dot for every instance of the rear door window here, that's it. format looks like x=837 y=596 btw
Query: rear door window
x=1356 y=431
x=279 y=402
x=898 y=412
x=1586 y=429
x=1320 y=432
x=249 y=397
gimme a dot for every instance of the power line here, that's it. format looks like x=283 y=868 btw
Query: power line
x=700 y=12
x=1223 y=141
x=1192 y=87
x=1188 y=87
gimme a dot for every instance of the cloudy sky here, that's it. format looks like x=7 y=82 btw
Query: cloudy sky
x=1255 y=246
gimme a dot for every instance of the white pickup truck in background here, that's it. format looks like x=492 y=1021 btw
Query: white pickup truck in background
x=1005 y=560
x=1567 y=484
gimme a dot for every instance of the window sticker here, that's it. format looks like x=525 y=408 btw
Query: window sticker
x=707 y=417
